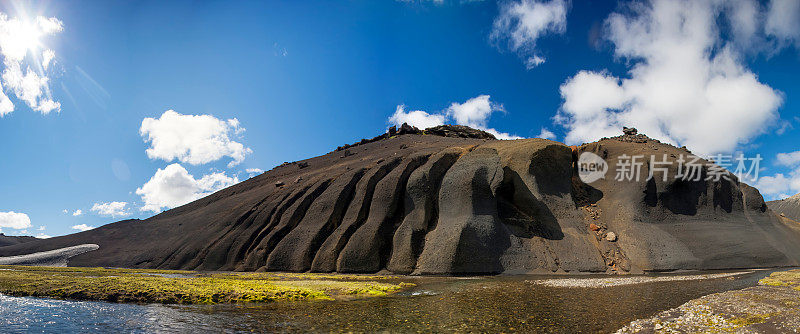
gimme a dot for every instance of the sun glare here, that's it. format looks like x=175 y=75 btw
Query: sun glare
x=23 y=35
x=29 y=35
x=25 y=60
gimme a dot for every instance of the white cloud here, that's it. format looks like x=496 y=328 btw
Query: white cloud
x=77 y=212
x=49 y=25
x=789 y=159
x=192 y=139
x=474 y=113
x=30 y=87
x=43 y=236
x=42 y=228
x=65 y=211
x=82 y=227
x=744 y=17
x=533 y=62
x=547 y=134
x=47 y=57
x=6 y=106
x=783 y=20
x=254 y=171
x=523 y=22
x=417 y=118
x=779 y=185
x=686 y=84
x=112 y=209
x=173 y=186
x=15 y=220
x=501 y=135
x=19 y=38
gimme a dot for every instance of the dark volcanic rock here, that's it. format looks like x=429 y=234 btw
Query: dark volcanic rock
x=449 y=201
x=368 y=248
x=326 y=258
x=296 y=251
x=406 y=129
x=458 y=131
x=469 y=237
x=6 y=240
x=421 y=210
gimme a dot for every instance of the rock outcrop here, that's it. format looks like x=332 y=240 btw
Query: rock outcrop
x=453 y=200
x=458 y=131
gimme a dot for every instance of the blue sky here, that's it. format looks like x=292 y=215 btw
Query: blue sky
x=287 y=80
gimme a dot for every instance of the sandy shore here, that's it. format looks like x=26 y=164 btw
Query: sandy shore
x=53 y=258
x=618 y=281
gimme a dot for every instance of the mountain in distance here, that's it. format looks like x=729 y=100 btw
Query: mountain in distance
x=788 y=207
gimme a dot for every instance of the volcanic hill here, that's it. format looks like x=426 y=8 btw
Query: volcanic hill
x=454 y=200
x=6 y=240
x=788 y=207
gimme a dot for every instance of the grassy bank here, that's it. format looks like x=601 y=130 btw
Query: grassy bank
x=186 y=287
x=789 y=278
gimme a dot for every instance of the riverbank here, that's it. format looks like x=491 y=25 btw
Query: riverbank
x=492 y=304
x=188 y=287
x=772 y=306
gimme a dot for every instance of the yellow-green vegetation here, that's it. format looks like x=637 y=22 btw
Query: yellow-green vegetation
x=187 y=287
x=750 y=319
x=789 y=278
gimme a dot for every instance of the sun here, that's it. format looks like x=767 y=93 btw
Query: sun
x=23 y=35
x=20 y=37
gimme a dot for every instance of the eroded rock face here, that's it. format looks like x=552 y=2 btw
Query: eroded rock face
x=422 y=211
x=469 y=236
x=435 y=204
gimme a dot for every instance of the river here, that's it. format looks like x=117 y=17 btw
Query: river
x=439 y=304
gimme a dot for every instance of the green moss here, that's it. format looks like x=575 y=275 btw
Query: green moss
x=790 y=278
x=750 y=319
x=185 y=287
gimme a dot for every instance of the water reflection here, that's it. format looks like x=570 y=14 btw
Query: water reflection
x=487 y=304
